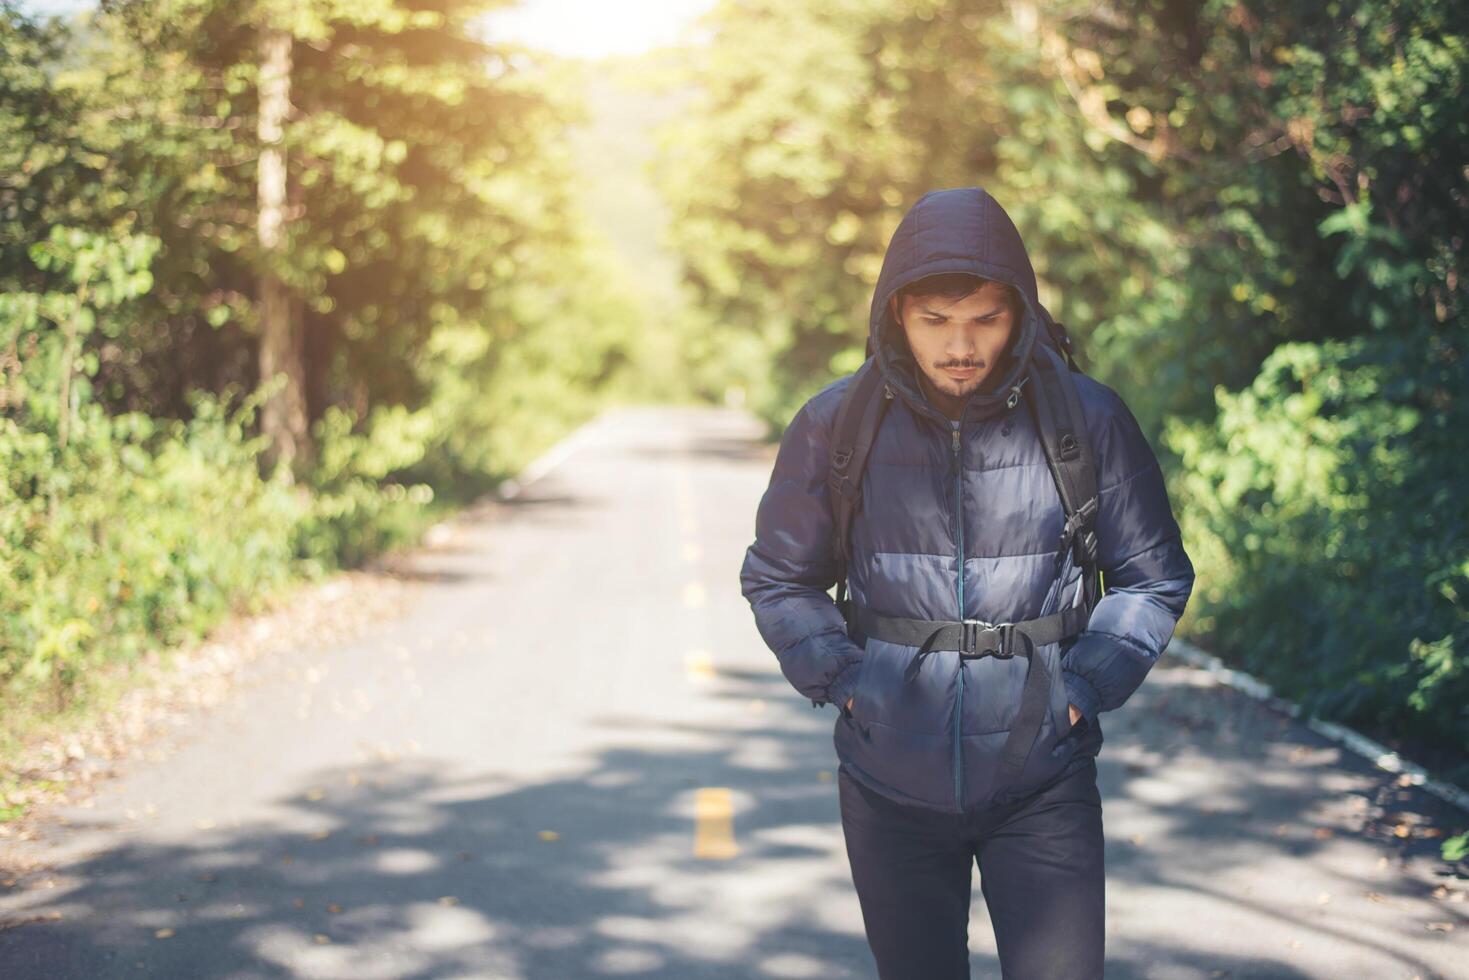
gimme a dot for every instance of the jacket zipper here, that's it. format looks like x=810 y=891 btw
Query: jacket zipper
x=959 y=703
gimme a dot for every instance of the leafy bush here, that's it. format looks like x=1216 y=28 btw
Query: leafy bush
x=1326 y=504
x=140 y=533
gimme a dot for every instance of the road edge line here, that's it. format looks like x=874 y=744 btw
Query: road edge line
x=1379 y=755
x=543 y=464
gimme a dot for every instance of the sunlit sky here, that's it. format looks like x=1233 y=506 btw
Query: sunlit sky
x=574 y=28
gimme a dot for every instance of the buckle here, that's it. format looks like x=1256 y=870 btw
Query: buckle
x=974 y=643
x=1007 y=641
x=1085 y=545
x=842 y=485
x=1078 y=534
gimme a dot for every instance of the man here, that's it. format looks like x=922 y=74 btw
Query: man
x=960 y=520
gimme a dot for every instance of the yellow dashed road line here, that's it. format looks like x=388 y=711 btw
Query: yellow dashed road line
x=714 y=824
x=698 y=665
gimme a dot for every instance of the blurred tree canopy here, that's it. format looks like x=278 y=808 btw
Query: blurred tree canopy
x=1253 y=217
x=451 y=314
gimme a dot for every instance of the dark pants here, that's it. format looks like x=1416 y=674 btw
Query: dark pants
x=1040 y=868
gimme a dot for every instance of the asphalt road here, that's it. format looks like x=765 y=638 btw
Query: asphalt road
x=575 y=758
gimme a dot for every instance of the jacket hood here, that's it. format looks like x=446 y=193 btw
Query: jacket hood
x=961 y=229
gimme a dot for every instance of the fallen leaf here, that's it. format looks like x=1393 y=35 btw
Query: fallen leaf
x=334 y=908
x=1441 y=926
x=299 y=903
x=322 y=938
x=549 y=835
x=448 y=900
x=1323 y=833
x=162 y=933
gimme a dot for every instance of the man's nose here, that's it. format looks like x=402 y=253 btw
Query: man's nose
x=960 y=345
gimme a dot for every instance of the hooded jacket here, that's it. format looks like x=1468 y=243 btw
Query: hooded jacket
x=961 y=519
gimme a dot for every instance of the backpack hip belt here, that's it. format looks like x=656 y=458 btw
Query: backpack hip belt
x=973 y=638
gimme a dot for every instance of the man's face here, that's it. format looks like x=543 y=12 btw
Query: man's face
x=957 y=343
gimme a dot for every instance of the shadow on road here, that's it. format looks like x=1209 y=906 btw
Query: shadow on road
x=450 y=876
x=430 y=873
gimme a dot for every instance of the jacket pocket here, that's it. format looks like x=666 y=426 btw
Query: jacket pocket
x=1069 y=735
x=858 y=711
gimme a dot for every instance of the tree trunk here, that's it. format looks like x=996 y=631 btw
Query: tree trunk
x=283 y=416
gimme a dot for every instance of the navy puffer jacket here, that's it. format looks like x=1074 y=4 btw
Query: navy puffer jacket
x=935 y=741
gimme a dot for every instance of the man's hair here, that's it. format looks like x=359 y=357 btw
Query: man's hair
x=955 y=286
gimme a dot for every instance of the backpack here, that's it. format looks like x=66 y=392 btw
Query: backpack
x=1056 y=409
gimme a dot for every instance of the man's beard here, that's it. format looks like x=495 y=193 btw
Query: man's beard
x=959 y=389
x=951 y=388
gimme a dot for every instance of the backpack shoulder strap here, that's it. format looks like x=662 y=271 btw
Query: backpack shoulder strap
x=863 y=405
x=1057 y=410
x=1062 y=340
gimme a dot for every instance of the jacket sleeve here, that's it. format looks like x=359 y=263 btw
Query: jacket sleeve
x=789 y=568
x=1147 y=573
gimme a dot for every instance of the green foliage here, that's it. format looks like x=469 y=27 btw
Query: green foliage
x=457 y=319
x=163 y=527
x=1290 y=500
x=356 y=509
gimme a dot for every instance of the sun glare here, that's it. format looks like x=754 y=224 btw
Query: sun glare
x=595 y=28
